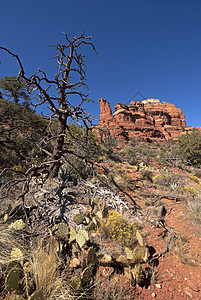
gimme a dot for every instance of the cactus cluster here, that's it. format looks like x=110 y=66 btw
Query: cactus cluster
x=18 y=275
x=90 y=219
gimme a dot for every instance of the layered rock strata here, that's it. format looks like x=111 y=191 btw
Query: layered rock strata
x=148 y=120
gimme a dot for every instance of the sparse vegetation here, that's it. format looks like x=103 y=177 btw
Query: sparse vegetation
x=81 y=217
x=189 y=147
x=116 y=228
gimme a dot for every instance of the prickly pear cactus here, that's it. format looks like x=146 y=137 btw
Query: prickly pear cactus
x=129 y=275
x=90 y=226
x=87 y=275
x=74 y=283
x=122 y=259
x=96 y=201
x=12 y=280
x=139 y=238
x=139 y=274
x=78 y=219
x=129 y=253
x=18 y=225
x=91 y=258
x=16 y=254
x=37 y=295
x=12 y=265
x=99 y=214
x=73 y=234
x=62 y=231
x=85 y=234
x=139 y=254
x=82 y=237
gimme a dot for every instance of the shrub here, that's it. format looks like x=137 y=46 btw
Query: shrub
x=168 y=154
x=147 y=175
x=195 y=209
x=139 y=151
x=130 y=154
x=192 y=191
x=194 y=178
x=116 y=228
x=189 y=146
x=169 y=180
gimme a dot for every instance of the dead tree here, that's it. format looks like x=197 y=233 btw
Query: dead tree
x=69 y=82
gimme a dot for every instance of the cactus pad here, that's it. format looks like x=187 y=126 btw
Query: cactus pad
x=74 y=282
x=85 y=234
x=73 y=234
x=122 y=259
x=139 y=238
x=16 y=254
x=87 y=275
x=12 y=265
x=62 y=231
x=78 y=219
x=91 y=257
x=129 y=253
x=99 y=214
x=12 y=280
x=80 y=239
x=139 y=254
x=18 y=225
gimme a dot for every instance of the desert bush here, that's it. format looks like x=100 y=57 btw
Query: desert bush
x=147 y=175
x=130 y=155
x=116 y=228
x=169 y=180
x=190 y=190
x=195 y=209
x=189 y=147
x=197 y=173
x=136 y=152
x=21 y=129
x=74 y=169
x=168 y=154
x=194 y=178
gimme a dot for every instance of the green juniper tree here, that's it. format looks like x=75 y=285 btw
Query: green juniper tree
x=14 y=89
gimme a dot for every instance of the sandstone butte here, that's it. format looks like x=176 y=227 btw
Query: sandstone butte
x=148 y=120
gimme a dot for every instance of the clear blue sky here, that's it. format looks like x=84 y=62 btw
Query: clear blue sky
x=150 y=46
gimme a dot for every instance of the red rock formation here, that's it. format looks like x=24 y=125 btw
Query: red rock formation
x=149 y=120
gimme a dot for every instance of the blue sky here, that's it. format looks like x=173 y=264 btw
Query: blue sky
x=147 y=46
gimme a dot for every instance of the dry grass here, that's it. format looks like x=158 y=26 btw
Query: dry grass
x=195 y=209
x=45 y=273
x=9 y=239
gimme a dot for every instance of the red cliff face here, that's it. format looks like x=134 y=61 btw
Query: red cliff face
x=149 y=120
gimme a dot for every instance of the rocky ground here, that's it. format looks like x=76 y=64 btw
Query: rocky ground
x=165 y=218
